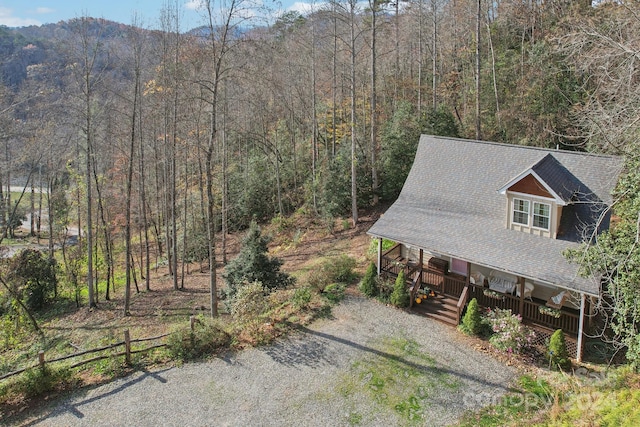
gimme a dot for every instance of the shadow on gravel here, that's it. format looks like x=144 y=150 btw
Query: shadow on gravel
x=66 y=404
x=316 y=352
x=305 y=351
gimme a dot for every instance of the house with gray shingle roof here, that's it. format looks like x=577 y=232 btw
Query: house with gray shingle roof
x=491 y=221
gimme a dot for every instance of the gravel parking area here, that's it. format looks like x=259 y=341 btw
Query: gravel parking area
x=368 y=365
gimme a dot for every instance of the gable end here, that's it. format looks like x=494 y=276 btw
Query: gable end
x=530 y=185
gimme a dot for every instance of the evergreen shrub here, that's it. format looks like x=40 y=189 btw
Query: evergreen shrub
x=254 y=265
x=368 y=286
x=558 y=354
x=472 y=320
x=400 y=295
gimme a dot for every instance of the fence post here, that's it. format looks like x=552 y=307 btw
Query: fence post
x=41 y=359
x=192 y=321
x=127 y=347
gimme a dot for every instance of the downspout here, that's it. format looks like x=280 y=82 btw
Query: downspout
x=583 y=299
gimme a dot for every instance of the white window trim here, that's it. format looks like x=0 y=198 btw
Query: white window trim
x=531 y=197
x=533 y=213
x=528 y=212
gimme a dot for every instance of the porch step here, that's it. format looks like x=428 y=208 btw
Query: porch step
x=440 y=308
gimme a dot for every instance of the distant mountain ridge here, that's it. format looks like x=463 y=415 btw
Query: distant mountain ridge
x=24 y=47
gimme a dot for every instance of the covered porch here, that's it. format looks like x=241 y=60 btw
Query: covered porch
x=431 y=278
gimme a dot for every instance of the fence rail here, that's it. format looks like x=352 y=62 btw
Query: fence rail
x=127 y=352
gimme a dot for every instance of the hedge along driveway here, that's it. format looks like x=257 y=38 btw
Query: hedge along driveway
x=368 y=365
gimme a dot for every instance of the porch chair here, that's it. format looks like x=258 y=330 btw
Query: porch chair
x=476 y=278
x=528 y=290
x=557 y=301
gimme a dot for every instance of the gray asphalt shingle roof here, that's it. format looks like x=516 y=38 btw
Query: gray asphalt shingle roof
x=450 y=205
x=561 y=181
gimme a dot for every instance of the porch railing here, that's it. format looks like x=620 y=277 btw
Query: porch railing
x=392 y=262
x=568 y=322
x=462 y=301
x=454 y=286
x=451 y=286
x=530 y=312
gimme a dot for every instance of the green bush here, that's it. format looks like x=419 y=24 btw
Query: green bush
x=400 y=295
x=34 y=275
x=334 y=270
x=368 y=286
x=334 y=292
x=557 y=351
x=205 y=339
x=343 y=269
x=250 y=302
x=301 y=298
x=37 y=381
x=472 y=320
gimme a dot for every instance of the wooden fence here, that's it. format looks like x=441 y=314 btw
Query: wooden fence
x=127 y=352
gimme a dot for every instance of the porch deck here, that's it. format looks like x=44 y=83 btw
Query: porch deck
x=452 y=287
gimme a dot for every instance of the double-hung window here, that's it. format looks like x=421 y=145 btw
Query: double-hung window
x=521 y=211
x=541 y=215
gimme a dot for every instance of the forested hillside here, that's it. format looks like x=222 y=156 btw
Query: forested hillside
x=156 y=143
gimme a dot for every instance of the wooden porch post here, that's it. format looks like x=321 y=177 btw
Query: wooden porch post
x=583 y=300
x=379 y=255
x=521 y=285
x=421 y=261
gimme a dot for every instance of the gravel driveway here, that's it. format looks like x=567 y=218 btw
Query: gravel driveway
x=369 y=365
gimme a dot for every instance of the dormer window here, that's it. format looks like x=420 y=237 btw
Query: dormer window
x=521 y=211
x=541 y=215
x=536 y=196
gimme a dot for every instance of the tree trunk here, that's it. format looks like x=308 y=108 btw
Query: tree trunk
x=374 y=129
x=354 y=187
x=478 y=19
x=434 y=56
x=314 y=119
x=225 y=186
x=89 y=202
x=493 y=73
x=129 y=183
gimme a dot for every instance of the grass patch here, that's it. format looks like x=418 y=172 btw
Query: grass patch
x=399 y=378
x=530 y=396
x=582 y=398
x=605 y=400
